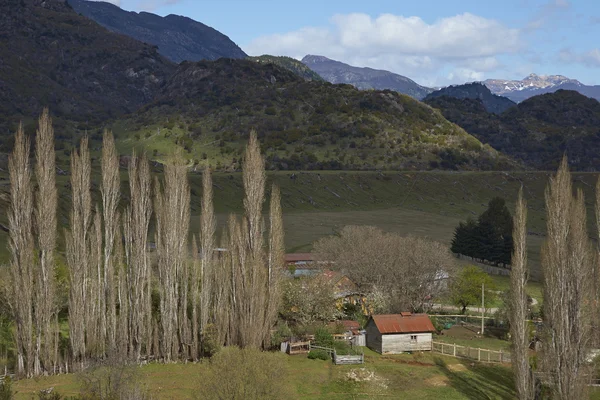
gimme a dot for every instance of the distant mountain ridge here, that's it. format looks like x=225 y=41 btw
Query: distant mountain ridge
x=364 y=78
x=178 y=38
x=476 y=90
x=533 y=85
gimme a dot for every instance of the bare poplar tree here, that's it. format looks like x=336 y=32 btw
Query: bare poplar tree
x=567 y=271
x=78 y=249
x=110 y=200
x=276 y=257
x=135 y=226
x=172 y=209
x=254 y=196
x=221 y=300
x=254 y=283
x=207 y=271
x=21 y=245
x=519 y=275
x=45 y=221
x=596 y=285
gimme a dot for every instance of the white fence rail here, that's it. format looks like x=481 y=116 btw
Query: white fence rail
x=472 y=353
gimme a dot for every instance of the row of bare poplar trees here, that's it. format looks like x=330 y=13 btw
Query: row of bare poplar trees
x=571 y=311
x=124 y=299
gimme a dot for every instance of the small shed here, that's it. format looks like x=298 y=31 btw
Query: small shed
x=399 y=333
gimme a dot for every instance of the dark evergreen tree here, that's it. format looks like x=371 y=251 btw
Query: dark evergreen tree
x=489 y=239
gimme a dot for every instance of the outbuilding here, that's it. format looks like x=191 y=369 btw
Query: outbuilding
x=399 y=333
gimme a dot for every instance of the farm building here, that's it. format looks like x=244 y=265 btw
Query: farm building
x=398 y=333
x=303 y=264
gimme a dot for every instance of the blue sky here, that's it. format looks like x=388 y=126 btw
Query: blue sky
x=433 y=42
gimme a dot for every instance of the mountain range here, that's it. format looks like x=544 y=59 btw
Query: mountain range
x=364 y=78
x=533 y=85
x=92 y=78
x=537 y=131
x=178 y=38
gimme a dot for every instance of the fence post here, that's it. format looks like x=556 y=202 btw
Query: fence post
x=501 y=356
x=454 y=351
x=478 y=354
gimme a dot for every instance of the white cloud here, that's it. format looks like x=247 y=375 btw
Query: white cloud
x=589 y=58
x=406 y=45
x=465 y=75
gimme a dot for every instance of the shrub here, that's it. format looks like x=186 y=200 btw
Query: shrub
x=323 y=337
x=236 y=373
x=113 y=379
x=318 y=355
x=6 y=392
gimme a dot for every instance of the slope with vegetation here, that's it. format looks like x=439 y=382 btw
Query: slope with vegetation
x=209 y=107
x=53 y=57
x=289 y=63
x=537 y=131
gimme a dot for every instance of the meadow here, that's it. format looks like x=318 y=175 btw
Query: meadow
x=319 y=203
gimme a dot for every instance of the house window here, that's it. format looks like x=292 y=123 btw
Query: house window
x=413 y=338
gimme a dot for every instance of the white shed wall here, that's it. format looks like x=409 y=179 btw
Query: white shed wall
x=399 y=343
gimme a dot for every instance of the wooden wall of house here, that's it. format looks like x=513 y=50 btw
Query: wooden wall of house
x=374 y=338
x=399 y=343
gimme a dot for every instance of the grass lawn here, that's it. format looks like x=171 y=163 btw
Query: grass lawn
x=423 y=376
x=468 y=337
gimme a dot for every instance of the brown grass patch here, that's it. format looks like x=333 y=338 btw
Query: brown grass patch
x=437 y=381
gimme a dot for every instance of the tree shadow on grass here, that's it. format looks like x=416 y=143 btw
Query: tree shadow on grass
x=479 y=381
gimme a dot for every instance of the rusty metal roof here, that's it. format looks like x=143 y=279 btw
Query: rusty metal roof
x=407 y=323
x=296 y=257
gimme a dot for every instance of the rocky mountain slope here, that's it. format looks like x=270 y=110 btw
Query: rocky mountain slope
x=476 y=90
x=537 y=131
x=51 y=56
x=533 y=85
x=209 y=108
x=178 y=38
x=364 y=78
x=290 y=64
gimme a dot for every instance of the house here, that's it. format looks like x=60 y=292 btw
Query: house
x=346 y=291
x=303 y=264
x=398 y=333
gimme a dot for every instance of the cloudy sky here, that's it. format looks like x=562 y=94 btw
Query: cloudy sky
x=433 y=42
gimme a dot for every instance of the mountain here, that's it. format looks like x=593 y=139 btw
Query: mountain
x=476 y=90
x=92 y=78
x=537 y=131
x=209 y=107
x=178 y=38
x=51 y=56
x=364 y=78
x=533 y=85
x=291 y=64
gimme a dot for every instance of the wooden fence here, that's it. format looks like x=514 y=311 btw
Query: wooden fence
x=343 y=359
x=472 y=353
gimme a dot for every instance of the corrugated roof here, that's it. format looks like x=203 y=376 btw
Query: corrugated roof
x=295 y=257
x=397 y=323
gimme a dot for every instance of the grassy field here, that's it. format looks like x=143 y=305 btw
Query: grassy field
x=420 y=203
x=423 y=376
